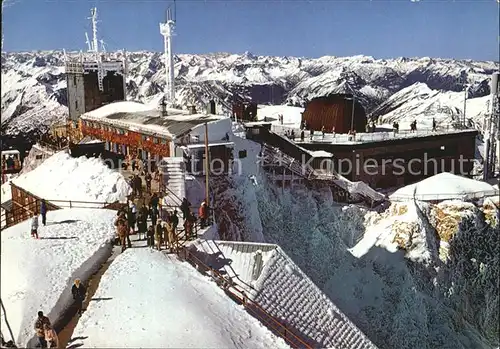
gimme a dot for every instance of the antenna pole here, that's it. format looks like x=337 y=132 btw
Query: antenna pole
x=94 y=29
x=167 y=30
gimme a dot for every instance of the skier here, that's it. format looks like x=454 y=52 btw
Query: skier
x=433 y=125
x=39 y=328
x=34 y=226
x=78 y=291
x=43 y=212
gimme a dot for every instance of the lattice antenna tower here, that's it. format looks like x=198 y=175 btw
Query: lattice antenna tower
x=93 y=45
x=167 y=31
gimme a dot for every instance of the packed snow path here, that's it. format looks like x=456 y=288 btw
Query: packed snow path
x=38 y=274
x=66 y=333
x=152 y=300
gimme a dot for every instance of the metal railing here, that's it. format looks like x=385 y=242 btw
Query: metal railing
x=235 y=292
x=340 y=138
x=20 y=213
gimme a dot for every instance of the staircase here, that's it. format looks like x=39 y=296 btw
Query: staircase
x=174 y=175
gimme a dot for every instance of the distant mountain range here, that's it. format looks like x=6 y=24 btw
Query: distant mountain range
x=34 y=88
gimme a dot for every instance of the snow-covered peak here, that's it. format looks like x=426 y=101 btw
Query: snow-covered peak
x=34 y=87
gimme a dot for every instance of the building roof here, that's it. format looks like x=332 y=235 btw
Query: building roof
x=141 y=117
x=445 y=186
x=7 y=205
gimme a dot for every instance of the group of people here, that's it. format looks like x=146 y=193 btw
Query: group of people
x=162 y=229
x=34 y=219
x=47 y=336
x=55 y=142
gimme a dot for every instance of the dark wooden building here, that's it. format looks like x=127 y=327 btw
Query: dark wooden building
x=335 y=111
x=399 y=162
x=245 y=111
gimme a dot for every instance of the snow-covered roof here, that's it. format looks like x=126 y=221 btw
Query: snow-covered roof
x=71 y=245
x=444 y=186
x=282 y=289
x=320 y=154
x=62 y=177
x=136 y=116
x=202 y=145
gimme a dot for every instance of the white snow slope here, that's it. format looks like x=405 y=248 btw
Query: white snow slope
x=38 y=274
x=444 y=186
x=152 y=300
x=399 y=300
x=34 y=87
x=62 y=177
x=283 y=290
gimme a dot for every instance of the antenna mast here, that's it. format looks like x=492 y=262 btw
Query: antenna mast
x=167 y=30
x=94 y=46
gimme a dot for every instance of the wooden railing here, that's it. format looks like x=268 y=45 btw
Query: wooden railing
x=20 y=213
x=239 y=295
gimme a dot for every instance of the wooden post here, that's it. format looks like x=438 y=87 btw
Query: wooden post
x=283 y=181
x=207 y=194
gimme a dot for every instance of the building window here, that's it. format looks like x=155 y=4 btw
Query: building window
x=163 y=141
x=74 y=80
x=242 y=154
x=76 y=104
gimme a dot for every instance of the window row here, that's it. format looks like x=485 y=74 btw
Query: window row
x=99 y=126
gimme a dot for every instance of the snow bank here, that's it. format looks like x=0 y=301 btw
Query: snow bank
x=151 y=300
x=444 y=186
x=291 y=115
x=62 y=177
x=6 y=193
x=281 y=288
x=119 y=107
x=37 y=274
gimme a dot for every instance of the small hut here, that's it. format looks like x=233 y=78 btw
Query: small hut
x=335 y=111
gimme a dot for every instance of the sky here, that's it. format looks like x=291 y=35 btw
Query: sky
x=463 y=29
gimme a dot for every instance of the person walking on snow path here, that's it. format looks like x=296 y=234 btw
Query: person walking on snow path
x=175 y=220
x=78 y=291
x=153 y=214
x=203 y=214
x=141 y=224
x=185 y=205
x=34 y=227
x=122 y=230
x=148 y=180
x=158 y=235
x=151 y=236
x=43 y=212
x=40 y=322
x=51 y=336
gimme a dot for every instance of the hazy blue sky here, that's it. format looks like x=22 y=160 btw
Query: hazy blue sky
x=380 y=28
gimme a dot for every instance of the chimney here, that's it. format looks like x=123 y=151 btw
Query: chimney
x=211 y=107
x=192 y=109
x=163 y=106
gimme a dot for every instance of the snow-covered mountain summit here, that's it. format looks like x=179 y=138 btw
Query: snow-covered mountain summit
x=34 y=88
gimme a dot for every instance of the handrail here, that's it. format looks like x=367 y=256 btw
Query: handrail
x=7 y=322
x=247 y=303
